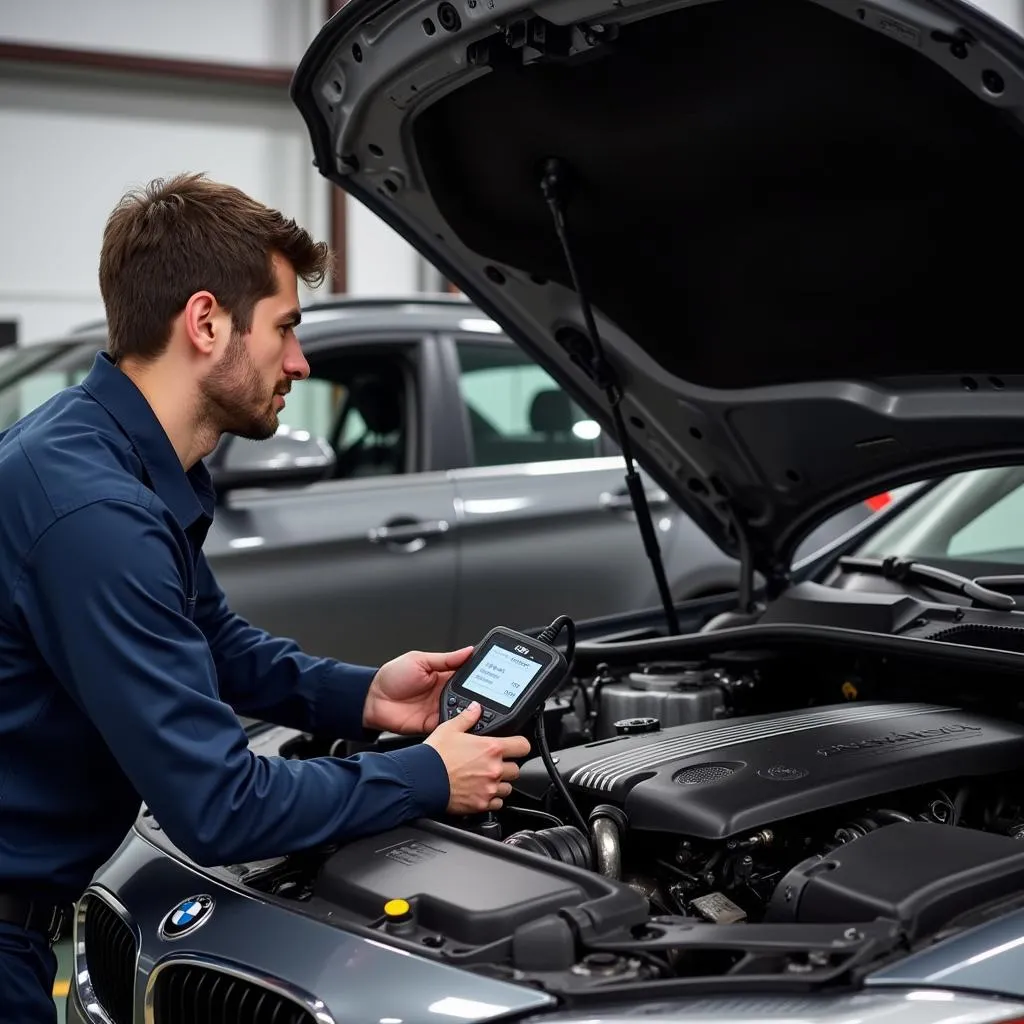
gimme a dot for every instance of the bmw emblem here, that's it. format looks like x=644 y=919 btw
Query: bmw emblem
x=186 y=917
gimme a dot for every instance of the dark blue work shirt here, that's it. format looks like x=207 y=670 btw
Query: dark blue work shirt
x=122 y=667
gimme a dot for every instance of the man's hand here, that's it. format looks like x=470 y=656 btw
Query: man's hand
x=404 y=694
x=479 y=775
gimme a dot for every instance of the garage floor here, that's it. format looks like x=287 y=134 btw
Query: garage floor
x=60 y=988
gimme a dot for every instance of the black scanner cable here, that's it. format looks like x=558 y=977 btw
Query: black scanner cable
x=548 y=636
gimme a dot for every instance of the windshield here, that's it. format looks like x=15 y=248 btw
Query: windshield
x=974 y=518
x=31 y=375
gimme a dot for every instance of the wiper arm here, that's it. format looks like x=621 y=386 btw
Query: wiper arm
x=904 y=570
x=784 y=954
x=774 y=937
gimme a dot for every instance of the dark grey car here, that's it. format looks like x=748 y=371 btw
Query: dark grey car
x=430 y=478
x=762 y=241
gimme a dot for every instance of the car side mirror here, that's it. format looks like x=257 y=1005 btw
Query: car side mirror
x=289 y=457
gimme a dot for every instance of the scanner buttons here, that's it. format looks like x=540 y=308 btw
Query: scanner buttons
x=459 y=704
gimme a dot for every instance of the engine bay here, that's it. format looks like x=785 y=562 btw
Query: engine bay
x=737 y=810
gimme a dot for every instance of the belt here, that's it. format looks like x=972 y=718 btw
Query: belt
x=34 y=916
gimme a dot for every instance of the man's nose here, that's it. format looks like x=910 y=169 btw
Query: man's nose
x=295 y=365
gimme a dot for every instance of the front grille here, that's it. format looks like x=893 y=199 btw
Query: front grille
x=110 y=958
x=186 y=994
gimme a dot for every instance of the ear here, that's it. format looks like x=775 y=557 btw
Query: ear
x=202 y=316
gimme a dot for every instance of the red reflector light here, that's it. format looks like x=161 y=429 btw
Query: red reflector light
x=878 y=501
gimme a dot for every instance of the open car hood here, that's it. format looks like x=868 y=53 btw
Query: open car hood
x=796 y=220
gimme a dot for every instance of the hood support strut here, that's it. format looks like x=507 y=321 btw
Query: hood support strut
x=554 y=186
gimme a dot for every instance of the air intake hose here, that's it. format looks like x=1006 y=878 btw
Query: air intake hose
x=607 y=825
x=565 y=843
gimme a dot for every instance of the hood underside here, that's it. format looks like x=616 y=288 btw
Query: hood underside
x=796 y=220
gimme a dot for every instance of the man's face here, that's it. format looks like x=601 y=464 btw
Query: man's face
x=244 y=393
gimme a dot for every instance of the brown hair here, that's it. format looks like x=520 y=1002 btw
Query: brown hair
x=175 y=237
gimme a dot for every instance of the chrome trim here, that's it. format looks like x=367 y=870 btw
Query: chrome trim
x=604 y=773
x=308 y=1002
x=82 y=982
x=549 y=467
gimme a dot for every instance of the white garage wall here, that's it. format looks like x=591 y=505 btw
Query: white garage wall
x=380 y=261
x=73 y=144
x=77 y=150
x=256 y=32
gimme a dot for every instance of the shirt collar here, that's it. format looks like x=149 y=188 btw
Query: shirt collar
x=189 y=496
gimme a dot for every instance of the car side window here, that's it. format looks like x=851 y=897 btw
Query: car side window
x=37 y=387
x=517 y=412
x=313 y=405
x=359 y=404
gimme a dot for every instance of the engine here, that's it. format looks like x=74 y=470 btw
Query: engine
x=679 y=799
x=708 y=819
x=654 y=836
x=715 y=780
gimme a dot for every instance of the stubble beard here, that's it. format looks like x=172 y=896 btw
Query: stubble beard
x=234 y=398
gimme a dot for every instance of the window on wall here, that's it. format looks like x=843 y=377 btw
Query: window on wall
x=517 y=412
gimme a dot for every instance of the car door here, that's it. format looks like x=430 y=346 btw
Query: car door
x=362 y=566
x=545 y=526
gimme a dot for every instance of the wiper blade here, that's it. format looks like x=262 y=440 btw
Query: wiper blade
x=904 y=570
x=1013 y=584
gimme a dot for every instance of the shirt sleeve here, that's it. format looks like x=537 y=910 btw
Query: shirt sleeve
x=103 y=597
x=272 y=679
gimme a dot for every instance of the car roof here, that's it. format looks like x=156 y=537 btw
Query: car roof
x=421 y=311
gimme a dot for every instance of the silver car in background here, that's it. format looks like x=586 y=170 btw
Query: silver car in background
x=428 y=480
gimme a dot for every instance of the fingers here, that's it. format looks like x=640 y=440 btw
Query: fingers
x=465 y=721
x=510 y=771
x=445 y=661
x=515 y=746
x=495 y=803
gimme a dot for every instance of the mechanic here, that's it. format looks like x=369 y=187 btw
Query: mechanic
x=122 y=669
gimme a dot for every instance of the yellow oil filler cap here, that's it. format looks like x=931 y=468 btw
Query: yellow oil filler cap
x=397 y=910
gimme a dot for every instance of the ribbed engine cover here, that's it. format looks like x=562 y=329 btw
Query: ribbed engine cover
x=716 y=779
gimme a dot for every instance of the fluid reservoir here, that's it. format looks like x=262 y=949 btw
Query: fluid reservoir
x=675 y=694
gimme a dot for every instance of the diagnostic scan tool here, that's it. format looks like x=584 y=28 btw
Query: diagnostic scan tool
x=510 y=675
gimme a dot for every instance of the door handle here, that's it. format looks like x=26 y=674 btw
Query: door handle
x=620 y=501
x=408 y=536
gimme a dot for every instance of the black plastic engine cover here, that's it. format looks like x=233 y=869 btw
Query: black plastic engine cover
x=930 y=874
x=465 y=889
x=716 y=779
